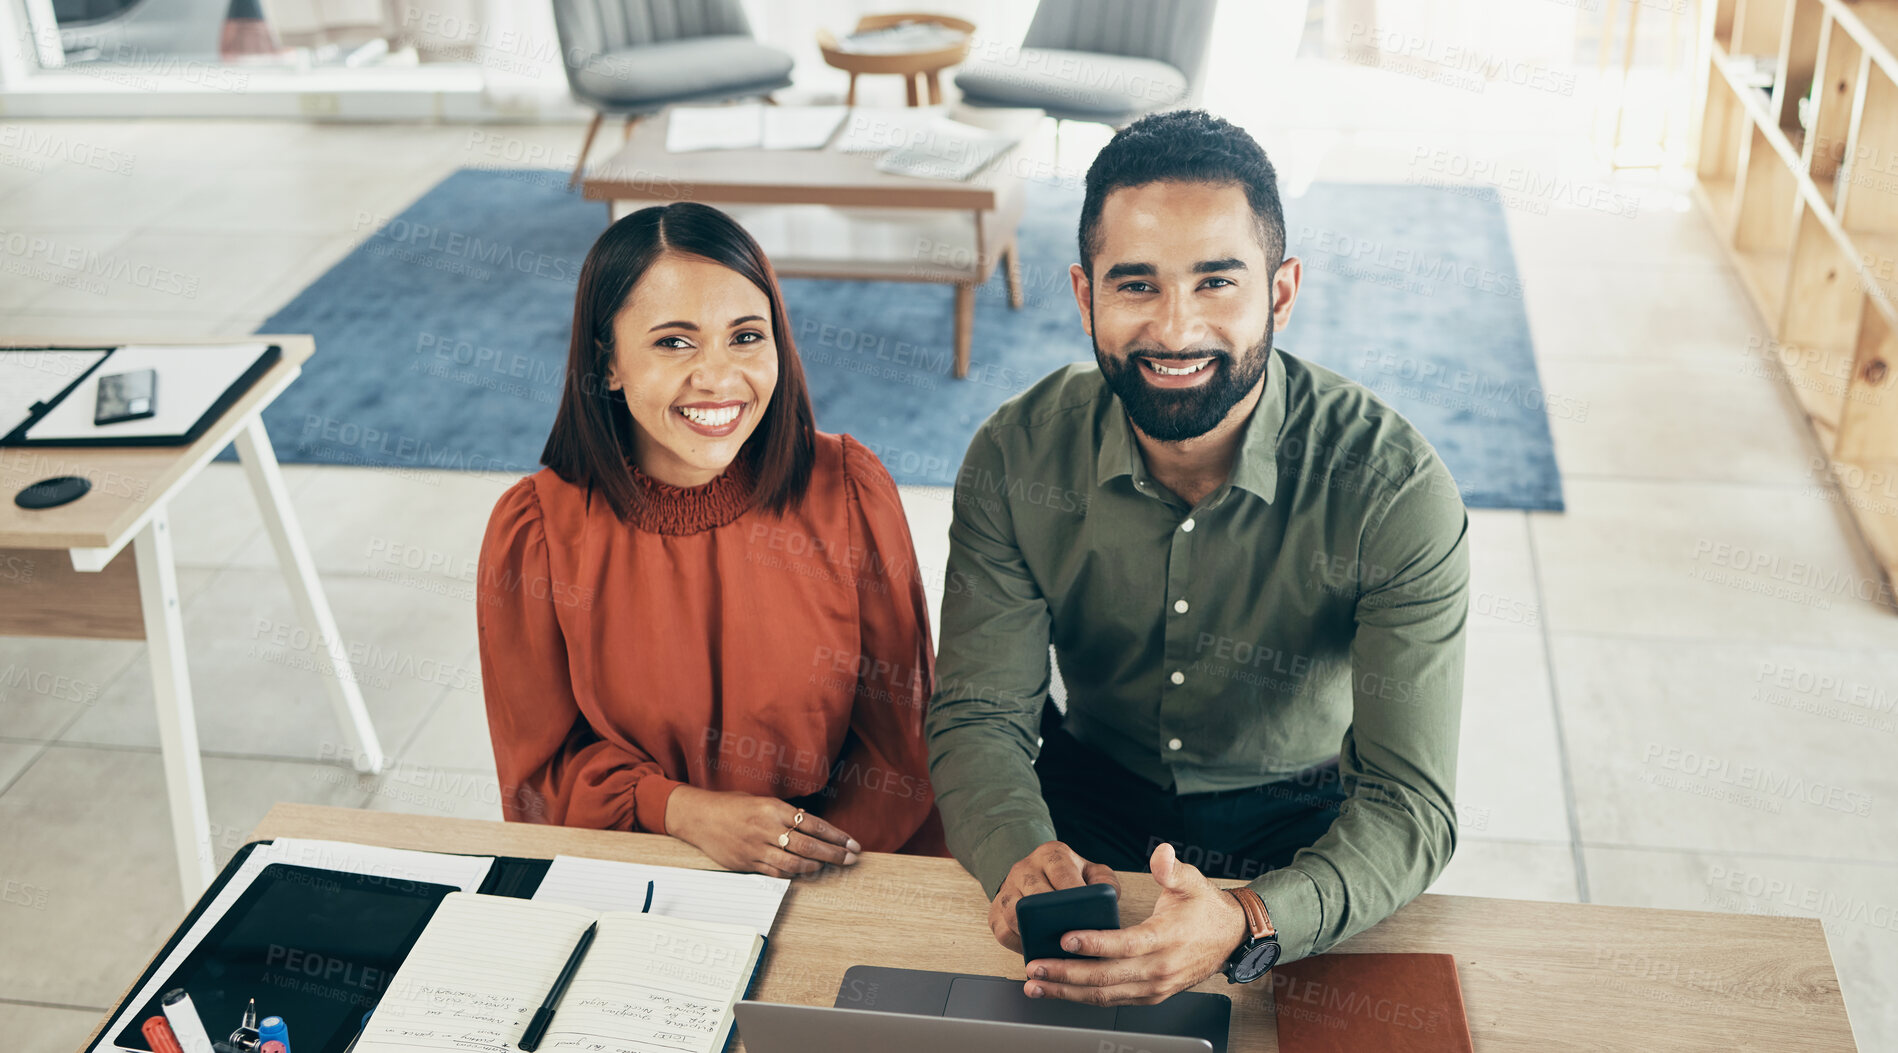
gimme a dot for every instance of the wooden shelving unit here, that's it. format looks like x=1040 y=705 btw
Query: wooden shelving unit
x=1808 y=212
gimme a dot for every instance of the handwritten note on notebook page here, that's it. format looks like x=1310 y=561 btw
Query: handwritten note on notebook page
x=751 y=900
x=479 y=971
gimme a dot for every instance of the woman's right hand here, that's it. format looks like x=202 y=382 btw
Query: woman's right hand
x=740 y=831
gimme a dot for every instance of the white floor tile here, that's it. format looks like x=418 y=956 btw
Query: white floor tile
x=929 y=510
x=47 y=682
x=1732 y=747
x=412 y=529
x=260 y=680
x=425 y=790
x=455 y=735
x=1619 y=223
x=44 y=261
x=1640 y=312
x=1712 y=418
x=215 y=514
x=1509 y=870
x=103 y=199
x=202 y=275
x=41 y=1029
x=1709 y=561
x=89 y=831
x=16 y=757
x=68 y=327
x=1503 y=591
x=1509 y=766
x=327 y=198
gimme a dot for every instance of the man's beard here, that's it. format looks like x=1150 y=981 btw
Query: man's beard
x=1174 y=414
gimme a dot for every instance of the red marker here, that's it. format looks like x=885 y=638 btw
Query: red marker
x=158 y=1035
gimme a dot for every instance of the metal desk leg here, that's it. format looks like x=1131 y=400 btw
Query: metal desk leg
x=171 y=693
x=266 y=482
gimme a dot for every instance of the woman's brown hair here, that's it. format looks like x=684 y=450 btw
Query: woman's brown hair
x=593 y=437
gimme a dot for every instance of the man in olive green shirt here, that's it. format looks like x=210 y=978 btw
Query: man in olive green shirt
x=1254 y=575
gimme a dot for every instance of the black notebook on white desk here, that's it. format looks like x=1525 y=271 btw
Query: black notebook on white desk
x=48 y=394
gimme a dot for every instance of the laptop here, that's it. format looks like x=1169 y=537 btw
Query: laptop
x=769 y=1028
x=969 y=997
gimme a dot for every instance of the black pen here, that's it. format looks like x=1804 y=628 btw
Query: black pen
x=648 y=905
x=537 y=1027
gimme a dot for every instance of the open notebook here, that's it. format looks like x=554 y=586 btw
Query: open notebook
x=484 y=963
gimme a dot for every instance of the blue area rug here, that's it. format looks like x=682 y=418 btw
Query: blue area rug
x=442 y=338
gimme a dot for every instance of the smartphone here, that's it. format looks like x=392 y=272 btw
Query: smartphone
x=127 y=396
x=1045 y=917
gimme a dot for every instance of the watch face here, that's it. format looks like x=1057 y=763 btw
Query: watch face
x=1256 y=962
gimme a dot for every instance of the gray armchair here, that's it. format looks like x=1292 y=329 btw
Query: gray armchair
x=636 y=57
x=1108 y=61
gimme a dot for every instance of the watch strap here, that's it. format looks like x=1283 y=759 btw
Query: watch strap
x=1258 y=920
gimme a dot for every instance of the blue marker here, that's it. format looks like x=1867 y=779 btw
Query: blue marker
x=274 y=1029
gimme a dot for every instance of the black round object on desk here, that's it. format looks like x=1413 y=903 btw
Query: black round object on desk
x=51 y=493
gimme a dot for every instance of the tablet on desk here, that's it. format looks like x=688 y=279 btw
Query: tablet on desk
x=316 y=947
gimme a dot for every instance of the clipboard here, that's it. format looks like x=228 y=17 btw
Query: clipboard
x=196 y=385
x=515 y=877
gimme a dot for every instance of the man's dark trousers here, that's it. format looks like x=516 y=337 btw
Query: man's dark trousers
x=1111 y=815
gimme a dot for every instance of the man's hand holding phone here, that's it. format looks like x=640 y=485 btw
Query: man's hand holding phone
x=1194 y=928
x=1051 y=867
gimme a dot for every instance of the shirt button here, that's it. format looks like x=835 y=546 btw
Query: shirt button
x=1180 y=606
x=1178 y=677
x=1187 y=526
x=1174 y=744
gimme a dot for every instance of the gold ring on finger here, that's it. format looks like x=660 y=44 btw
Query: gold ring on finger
x=798 y=819
x=784 y=839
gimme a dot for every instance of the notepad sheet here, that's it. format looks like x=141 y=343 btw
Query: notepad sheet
x=751 y=126
x=654 y=983
x=37 y=375
x=751 y=900
x=475 y=977
x=482 y=967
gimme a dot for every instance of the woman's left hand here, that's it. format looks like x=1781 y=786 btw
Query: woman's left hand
x=743 y=831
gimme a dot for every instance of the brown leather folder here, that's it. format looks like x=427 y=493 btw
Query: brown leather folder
x=1370 y=1003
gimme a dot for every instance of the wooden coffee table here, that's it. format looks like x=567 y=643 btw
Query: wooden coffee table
x=829 y=214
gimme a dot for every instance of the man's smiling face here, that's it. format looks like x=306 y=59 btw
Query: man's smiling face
x=1180 y=308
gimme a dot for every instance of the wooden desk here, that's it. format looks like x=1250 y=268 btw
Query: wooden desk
x=66 y=571
x=1536 y=976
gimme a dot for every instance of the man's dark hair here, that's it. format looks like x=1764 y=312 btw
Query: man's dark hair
x=1188 y=146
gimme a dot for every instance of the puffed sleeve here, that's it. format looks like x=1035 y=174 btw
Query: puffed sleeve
x=881 y=777
x=554 y=767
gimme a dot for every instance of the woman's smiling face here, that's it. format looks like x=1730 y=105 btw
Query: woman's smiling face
x=695 y=356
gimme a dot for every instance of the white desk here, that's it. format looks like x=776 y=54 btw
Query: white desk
x=83 y=583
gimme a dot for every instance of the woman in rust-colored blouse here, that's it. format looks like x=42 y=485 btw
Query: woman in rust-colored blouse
x=704 y=618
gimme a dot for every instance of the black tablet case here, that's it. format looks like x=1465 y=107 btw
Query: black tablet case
x=515 y=876
x=17 y=437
